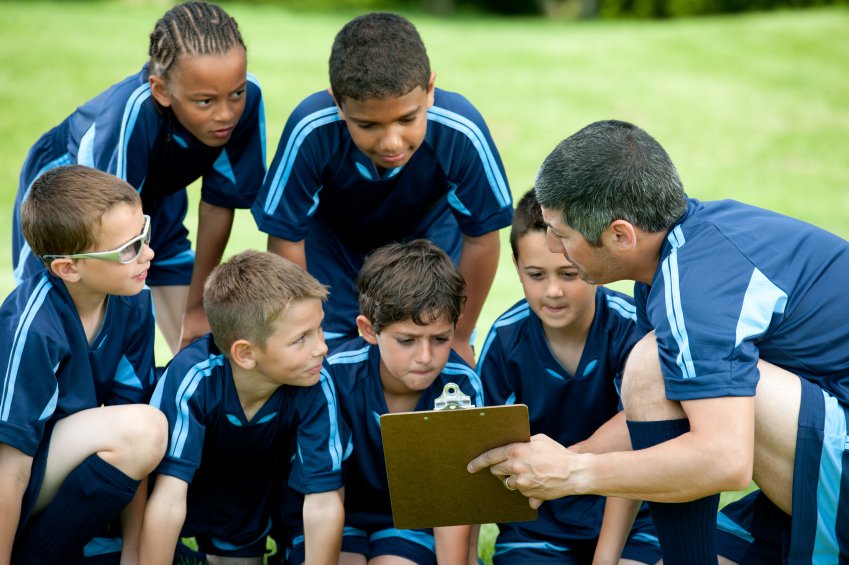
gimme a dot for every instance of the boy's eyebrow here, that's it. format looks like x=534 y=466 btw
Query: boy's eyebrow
x=409 y=114
x=241 y=86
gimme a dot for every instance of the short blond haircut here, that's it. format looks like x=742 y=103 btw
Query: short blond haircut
x=246 y=294
x=64 y=210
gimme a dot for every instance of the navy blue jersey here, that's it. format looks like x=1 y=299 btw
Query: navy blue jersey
x=233 y=464
x=516 y=366
x=49 y=368
x=124 y=132
x=355 y=367
x=735 y=284
x=322 y=188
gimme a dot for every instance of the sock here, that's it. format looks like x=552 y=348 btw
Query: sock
x=92 y=494
x=686 y=530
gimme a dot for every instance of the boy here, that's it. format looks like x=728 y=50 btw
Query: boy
x=383 y=156
x=75 y=337
x=411 y=296
x=236 y=400
x=561 y=351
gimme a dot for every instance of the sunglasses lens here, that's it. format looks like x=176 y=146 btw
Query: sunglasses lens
x=130 y=252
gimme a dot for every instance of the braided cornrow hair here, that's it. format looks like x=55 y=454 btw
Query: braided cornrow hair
x=191 y=28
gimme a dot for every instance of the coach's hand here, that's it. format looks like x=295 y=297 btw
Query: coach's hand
x=540 y=469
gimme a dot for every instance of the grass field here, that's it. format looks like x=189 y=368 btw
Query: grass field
x=752 y=107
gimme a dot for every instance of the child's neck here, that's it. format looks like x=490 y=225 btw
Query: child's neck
x=91 y=308
x=252 y=388
x=567 y=344
x=398 y=398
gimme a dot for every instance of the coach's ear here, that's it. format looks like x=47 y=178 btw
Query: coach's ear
x=366 y=329
x=620 y=235
x=242 y=354
x=65 y=269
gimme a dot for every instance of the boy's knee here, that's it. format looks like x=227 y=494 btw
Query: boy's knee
x=143 y=440
x=643 y=388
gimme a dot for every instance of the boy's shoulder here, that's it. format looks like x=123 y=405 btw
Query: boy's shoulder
x=615 y=307
x=452 y=113
x=353 y=362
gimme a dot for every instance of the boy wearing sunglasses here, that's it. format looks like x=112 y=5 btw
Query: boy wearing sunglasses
x=76 y=367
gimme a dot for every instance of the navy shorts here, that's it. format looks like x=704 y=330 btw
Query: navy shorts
x=254 y=546
x=753 y=530
x=416 y=545
x=640 y=546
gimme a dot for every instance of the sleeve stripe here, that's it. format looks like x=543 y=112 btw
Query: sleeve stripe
x=510 y=317
x=252 y=79
x=621 y=307
x=33 y=305
x=674 y=310
x=761 y=301
x=478 y=139
x=131 y=114
x=334 y=443
x=184 y=393
x=293 y=145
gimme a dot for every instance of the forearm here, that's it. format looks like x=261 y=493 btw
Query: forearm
x=619 y=514
x=15 y=470
x=452 y=545
x=214 y=226
x=160 y=532
x=679 y=470
x=292 y=250
x=131 y=522
x=610 y=436
x=324 y=519
x=478 y=264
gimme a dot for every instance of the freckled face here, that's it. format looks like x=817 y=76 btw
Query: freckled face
x=388 y=130
x=206 y=93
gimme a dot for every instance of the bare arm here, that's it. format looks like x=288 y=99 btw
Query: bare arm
x=619 y=514
x=291 y=250
x=15 y=467
x=715 y=455
x=452 y=545
x=214 y=225
x=324 y=519
x=610 y=436
x=163 y=520
x=478 y=263
x=131 y=522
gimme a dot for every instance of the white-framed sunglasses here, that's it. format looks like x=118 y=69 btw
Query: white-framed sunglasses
x=126 y=253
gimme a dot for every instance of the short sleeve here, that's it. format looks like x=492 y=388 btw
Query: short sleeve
x=290 y=193
x=494 y=372
x=180 y=395
x=323 y=438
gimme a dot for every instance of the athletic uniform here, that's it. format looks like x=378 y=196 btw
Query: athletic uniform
x=517 y=366
x=50 y=370
x=124 y=132
x=754 y=531
x=323 y=189
x=736 y=284
x=231 y=464
x=355 y=367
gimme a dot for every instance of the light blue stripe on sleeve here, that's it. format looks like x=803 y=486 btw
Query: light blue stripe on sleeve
x=34 y=303
x=478 y=139
x=828 y=486
x=674 y=311
x=474 y=379
x=253 y=79
x=131 y=114
x=287 y=162
x=622 y=307
x=334 y=443
x=85 y=153
x=184 y=393
x=348 y=357
x=762 y=300
x=518 y=313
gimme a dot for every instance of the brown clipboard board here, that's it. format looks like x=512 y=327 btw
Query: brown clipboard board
x=426 y=455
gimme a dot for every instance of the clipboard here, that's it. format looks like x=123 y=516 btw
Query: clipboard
x=426 y=455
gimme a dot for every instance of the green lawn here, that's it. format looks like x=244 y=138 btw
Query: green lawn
x=752 y=107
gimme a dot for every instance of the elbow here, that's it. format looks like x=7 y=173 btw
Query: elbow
x=736 y=468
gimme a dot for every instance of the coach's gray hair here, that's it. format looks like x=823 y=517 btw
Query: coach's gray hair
x=608 y=171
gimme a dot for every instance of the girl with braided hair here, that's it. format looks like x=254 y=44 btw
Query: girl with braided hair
x=192 y=112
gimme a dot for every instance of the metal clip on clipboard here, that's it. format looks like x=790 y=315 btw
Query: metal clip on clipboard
x=452 y=398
